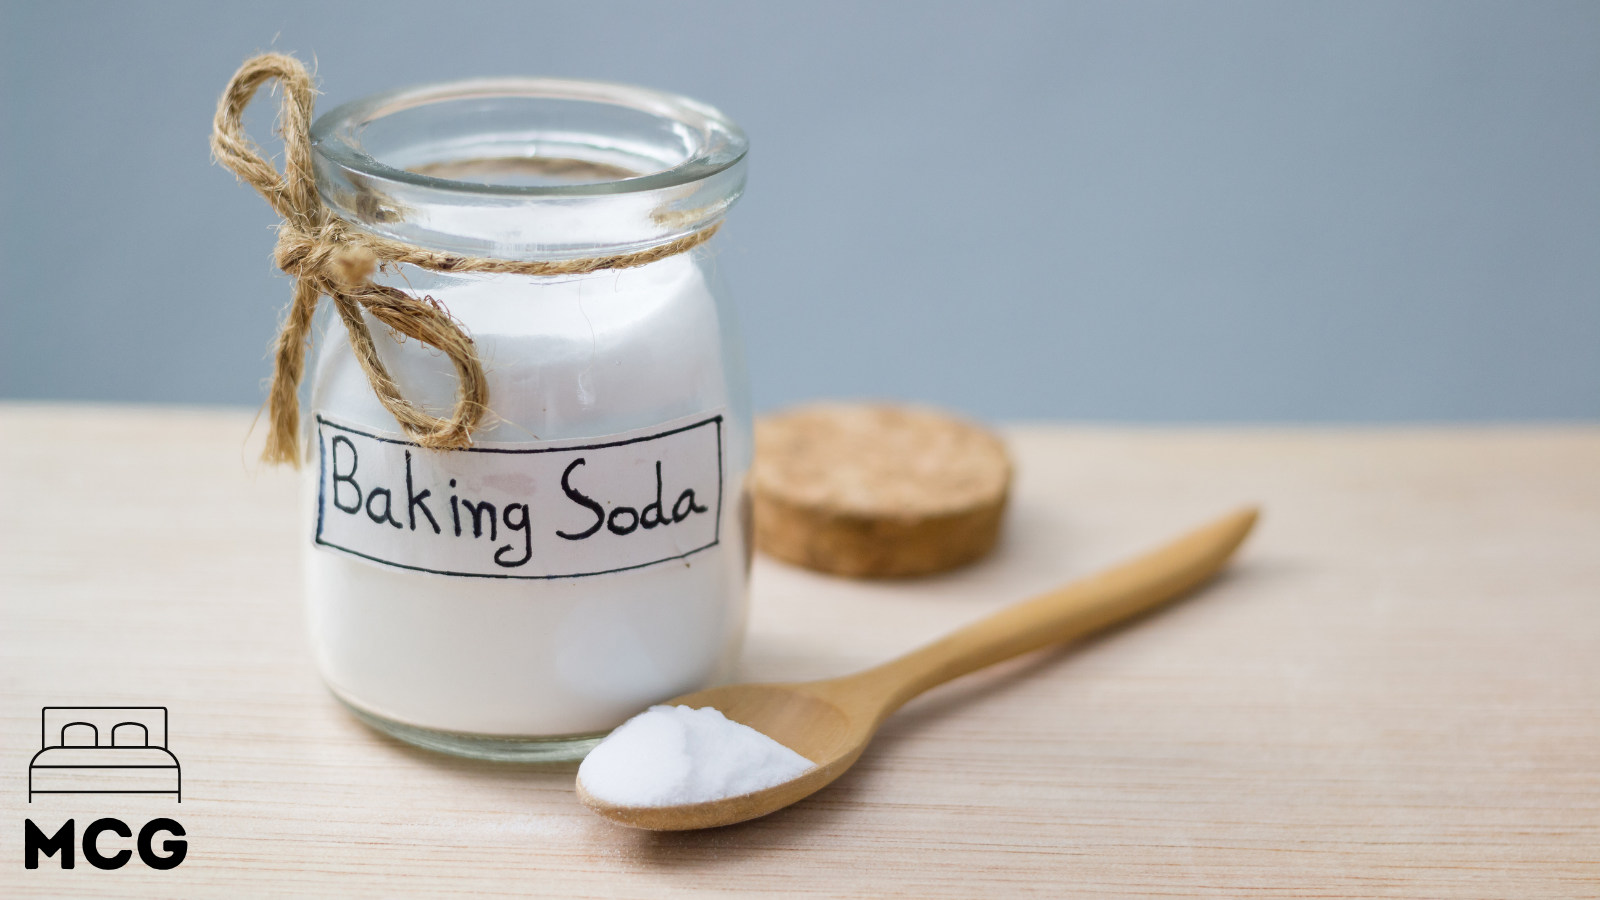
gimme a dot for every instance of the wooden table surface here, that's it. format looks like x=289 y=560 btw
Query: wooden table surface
x=1394 y=692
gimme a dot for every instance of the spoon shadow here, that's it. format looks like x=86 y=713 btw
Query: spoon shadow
x=848 y=795
x=828 y=809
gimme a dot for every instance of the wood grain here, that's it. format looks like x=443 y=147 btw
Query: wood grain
x=1394 y=692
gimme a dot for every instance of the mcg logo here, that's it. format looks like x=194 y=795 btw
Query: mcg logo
x=104 y=750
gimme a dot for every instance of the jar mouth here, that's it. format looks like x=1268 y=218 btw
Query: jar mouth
x=708 y=142
x=529 y=167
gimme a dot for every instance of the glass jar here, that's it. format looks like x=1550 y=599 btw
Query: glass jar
x=589 y=554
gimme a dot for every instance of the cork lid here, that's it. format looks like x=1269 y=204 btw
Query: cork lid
x=877 y=490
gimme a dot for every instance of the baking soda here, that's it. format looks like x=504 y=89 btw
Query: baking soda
x=673 y=755
x=566 y=358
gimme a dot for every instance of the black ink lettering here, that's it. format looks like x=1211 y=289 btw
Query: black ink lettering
x=633 y=520
x=679 y=512
x=176 y=850
x=61 y=842
x=577 y=497
x=415 y=500
x=523 y=525
x=388 y=501
x=91 y=851
x=644 y=514
x=477 y=517
x=355 y=505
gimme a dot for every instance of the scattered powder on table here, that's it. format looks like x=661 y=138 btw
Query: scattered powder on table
x=673 y=755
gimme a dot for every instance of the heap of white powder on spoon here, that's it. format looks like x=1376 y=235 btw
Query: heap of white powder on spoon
x=675 y=755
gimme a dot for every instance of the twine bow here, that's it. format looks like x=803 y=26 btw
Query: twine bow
x=328 y=256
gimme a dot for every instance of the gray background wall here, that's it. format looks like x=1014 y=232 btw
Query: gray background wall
x=1134 y=211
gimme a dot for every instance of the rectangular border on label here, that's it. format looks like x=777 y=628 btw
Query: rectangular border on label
x=556 y=447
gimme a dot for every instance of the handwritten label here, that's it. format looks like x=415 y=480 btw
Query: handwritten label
x=551 y=509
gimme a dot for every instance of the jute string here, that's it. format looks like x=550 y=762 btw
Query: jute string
x=327 y=256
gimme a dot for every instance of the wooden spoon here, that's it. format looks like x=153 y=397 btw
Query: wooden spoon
x=830 y=722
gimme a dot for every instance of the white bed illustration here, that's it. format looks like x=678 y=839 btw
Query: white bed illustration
x=104 y=750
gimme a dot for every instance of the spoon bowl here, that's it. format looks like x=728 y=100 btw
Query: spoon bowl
x=830 y=722
x=799 y=716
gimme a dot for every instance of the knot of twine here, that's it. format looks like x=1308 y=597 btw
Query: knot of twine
x=327 y=256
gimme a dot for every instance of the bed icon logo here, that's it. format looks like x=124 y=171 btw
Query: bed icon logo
x=104 y=750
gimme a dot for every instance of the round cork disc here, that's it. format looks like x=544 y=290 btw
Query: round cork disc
x=876 y=490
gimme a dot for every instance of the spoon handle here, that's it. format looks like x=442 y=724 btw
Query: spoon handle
x=1064 y=614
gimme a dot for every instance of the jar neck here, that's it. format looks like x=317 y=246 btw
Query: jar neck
x=529 y=169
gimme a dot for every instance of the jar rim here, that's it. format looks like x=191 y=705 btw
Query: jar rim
x=572 y=168
x=721 y=144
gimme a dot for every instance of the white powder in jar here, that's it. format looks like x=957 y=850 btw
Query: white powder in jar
x=566 y=358
x=674 y=755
